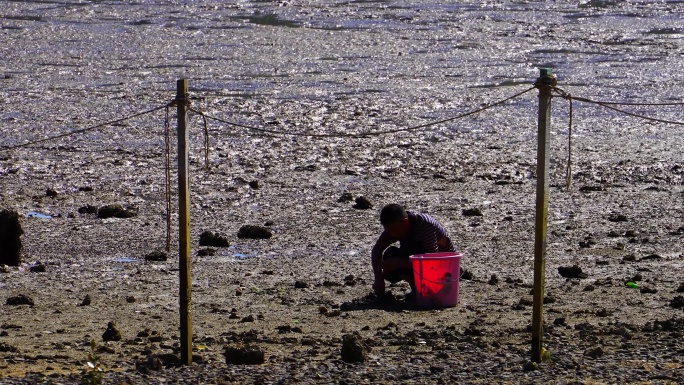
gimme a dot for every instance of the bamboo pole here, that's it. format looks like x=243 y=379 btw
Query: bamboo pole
x=545 y=83
x=184 y=226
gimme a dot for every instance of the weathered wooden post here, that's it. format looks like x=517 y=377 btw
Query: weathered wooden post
x=184 y=226
x=545 y=83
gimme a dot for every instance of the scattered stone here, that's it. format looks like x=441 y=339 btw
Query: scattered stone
x=647 y=289
x=617 y=218
x=677 y=302
x=603 y=313
x=301 y=285
x=130 y=299
x=530 y=366
x=650 y=257
x=572 y=272
x=244 y=355
x=152 y=362
x=589 y=288
x=254 y=184
x=50 y=193
x=4 y=269
x=114 y=211
x=354 y=349
x=345 y=197
x=680 y=289
x=156 y=256
x=249 y=318
x=596 y=352
x=112 y=333
x=474 y=212
x=37 y=268
x=208 y=238
x=10 y=238
x=20 y=299
x=322 y=309
x=592 y=188
x=466 y=275
x=631 y=234
x=637 y=277
x=85 y=189
x=87 y=209
x=629 y=258
x=560 y=321
x=362 y=204
x=613 y=234
x=493 y=280
x=333 y=313
x=7 y=348
x=206 y=252
x=254 y=232
x=86 y=300
x=587 y=243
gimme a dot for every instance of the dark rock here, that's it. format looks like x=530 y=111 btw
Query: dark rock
x=466 y=275
x=254 y=232
x=613 y=234
x=10 y=238
x=549 y=300
x=156 y=256
x=244 y=355
x=169 y=360
x=152 y=362
x=677 y=302
x=637 y=277
x=20 y=299
x=249 y=318
x=208 y=238
x=87 y=209
x=301 y=285
x=617 y=218
x=51 y=193
x=597 y=352
x=650 y=257
x=345 y=197
x=37 y=268
x=493 y=280
x=560 y=321
x=629 y=258
x=206 y=252
x=114 y=211
x=647 y=289
x=474 y=212
x=254 y=184
x=592 y=188
x=112 y=333
x=130 y=299
x=7 y=348
x=589 y=288
x=572 y=272
x=630 y=234
x=85 y=189
x=86 y=300
x=680 y=289
x=530 y=366
x=603 y=313
x=354 y=349
x=362 y=204
x=4 y=269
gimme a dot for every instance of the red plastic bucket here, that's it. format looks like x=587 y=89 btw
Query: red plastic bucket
x=437 y=278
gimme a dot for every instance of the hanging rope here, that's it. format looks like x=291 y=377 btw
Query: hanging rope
x=568 y=171
x=366 y=134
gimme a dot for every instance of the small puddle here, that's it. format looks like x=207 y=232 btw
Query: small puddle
x=126 y=260
x=35 y=214
x=242 y=255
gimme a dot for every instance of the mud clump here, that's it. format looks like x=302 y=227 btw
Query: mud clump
x=301 y=285
x=677 y=302
x=345 y=197
x=244 y=355
x=112 y=333
x=254 y=232
x=354 y=349
x=156 y=256
x=362 y=204
x=208 y=252
x=595 y=353
x=474 y=212
x=572 y=272
x=87 y=209
x=86 y=300
x=37 y=268
x=114 y=211
x=209 y=238
x=10 y=238
x=20 y=299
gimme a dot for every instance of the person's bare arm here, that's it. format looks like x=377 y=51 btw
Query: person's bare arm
x=381 y=244
x=443 y=242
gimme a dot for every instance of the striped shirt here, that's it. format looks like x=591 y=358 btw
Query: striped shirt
x=423 y=236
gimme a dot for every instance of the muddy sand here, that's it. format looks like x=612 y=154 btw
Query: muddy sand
x=331 y=67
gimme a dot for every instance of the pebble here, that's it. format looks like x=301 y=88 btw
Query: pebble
x=301 y=285
x=244 y=355
x=472 y=212
x=677 y=302
x=362 y=204
x=86 y=300
x=572 y=272
x=345 y=197
x=493 y=280
x=37 y=268
x=354 y=349
x=130 y=299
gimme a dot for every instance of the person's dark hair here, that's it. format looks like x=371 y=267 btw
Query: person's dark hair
x=392 y=213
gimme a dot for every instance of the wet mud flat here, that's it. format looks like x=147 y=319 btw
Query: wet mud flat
x=331 y=67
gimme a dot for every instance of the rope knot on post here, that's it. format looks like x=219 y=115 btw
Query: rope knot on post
x=546 y=79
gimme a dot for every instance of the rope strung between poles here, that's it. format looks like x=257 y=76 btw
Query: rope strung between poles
x=82 y=130
x=568 y=170
x=366 y=134
x=609 y=105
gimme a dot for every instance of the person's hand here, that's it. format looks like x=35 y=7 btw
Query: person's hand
x=379 y=286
